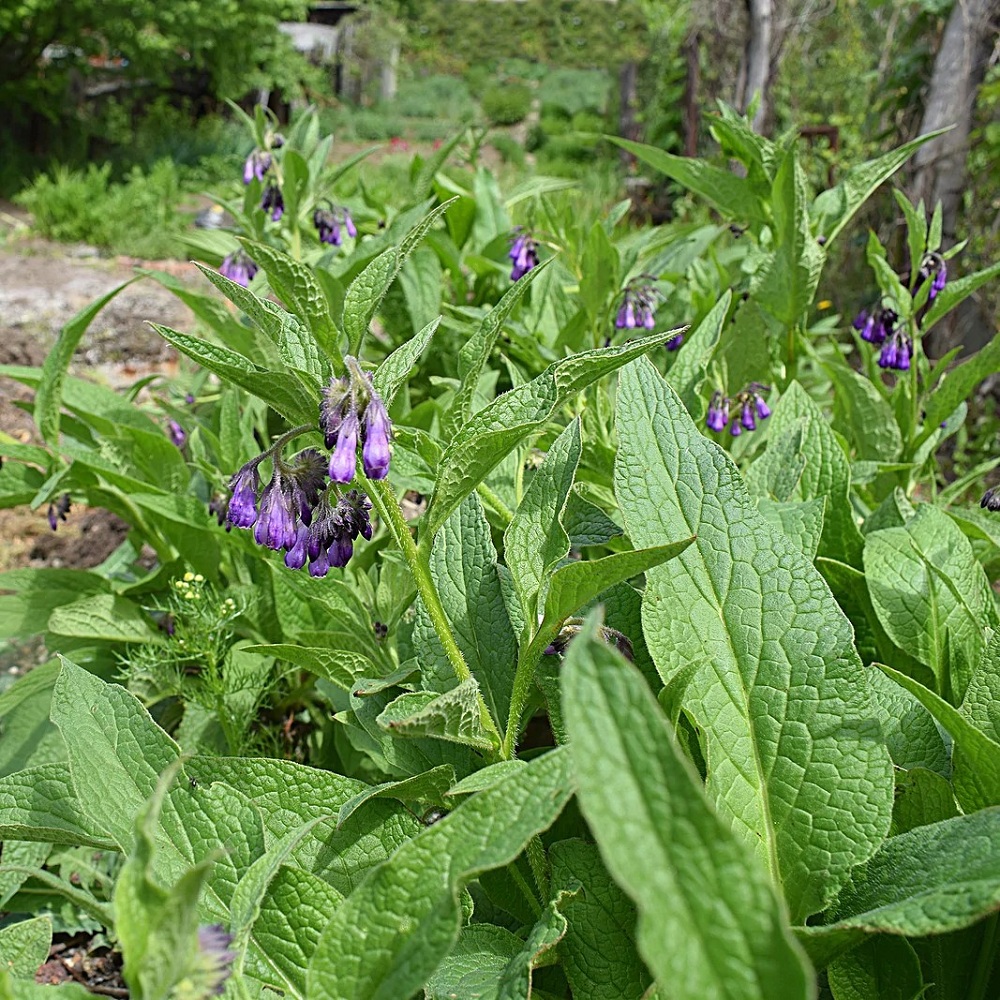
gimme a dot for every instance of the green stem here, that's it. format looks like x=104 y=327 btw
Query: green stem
x=385 y=503
x=539 y=866
x=524 y=675
x=984 y=963
x=498 y=506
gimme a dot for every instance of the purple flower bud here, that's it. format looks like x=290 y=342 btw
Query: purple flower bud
x=675 y=342
x=887 y=356
x=940 y=277
x=58 y=510
x=860 y=320
x=273 y=202
x=341 y=551
x=718 y=412
x=295 y=557
x=320 y=566
x=352 y=230
x=903 y=355
x=242 y=510
x=344 y=459
x=648 y=319
x=216 y=958
x=763 y=410
x=275 y=527
x=991 y=499
x=626 y=316
x=189 y=398
x=523 y=256
x=746 y=416
x=177 y=433
x=336 y=397
x=736 y=430
x=375 y=451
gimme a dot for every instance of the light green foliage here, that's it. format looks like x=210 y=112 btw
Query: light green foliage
x=361 y=956
x=773 y=651
x=663 y=842
x=25 y=946
x=883 y=968
x=931 y=595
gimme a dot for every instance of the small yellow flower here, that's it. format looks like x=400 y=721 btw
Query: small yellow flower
x=198 y=578
x=189 y=576
x=825 y=304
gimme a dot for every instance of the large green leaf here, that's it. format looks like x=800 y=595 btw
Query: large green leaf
x=710 y=923
x=931 y=595
x=796 y=760
x=453 y=716
x=388 y=937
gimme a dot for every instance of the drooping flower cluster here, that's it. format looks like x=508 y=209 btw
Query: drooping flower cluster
x=272 y=201
x=238 y=267
x=991 y=499
x=638 y=308
x=878 y=327
x=328 y=221
x=299 y=512
x=523 y=254
x=352 y=409
x=932 y=264
x=746 y=408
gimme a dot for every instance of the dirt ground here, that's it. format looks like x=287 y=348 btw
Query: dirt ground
x=42 y=286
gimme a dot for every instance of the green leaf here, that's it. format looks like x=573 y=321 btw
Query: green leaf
x=515 y=980
x=981 y=705
x=774 y=653
x=463 y=566
x=392 y=374
x=931 y=595
x=453 y=716
x=485 y=777
x=27 y=737
x=343 y=667
x=429 y=786
x=911 y=734
x=598 y=272
x=976 y=756
x=598 y=952
x=578 y=583
x=20 y=859
x=40 y=803
x=834 y=208
x=492 y=433
x=297 y=906
x=281 y=390
x=931 y=880
x=801 y=520
x=863 y=415
x=296 y=285
x=585 y=522
x=17 y=989
x=296 y=345
x=475 y=352
x=106 y=617
x=788 y=283
x=31 y=595
x=733 y=196
x=48 y=400
x=957 y=384
x=689 y=371
x=24 y=946
x=922 y=797
x=710 y=924
x=365 y=293
x=387 y=938
x=535 y=540
x=956 y=292
x=421 y=280
x=884 y=968
x=826 y=473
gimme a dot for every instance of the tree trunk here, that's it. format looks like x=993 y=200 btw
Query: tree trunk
x=755 y=69
x=959 y=67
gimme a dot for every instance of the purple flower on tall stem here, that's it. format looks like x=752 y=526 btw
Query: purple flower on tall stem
x=940 y=279
x=275 y=527
x=896 y=352
x=638 y=308
x=328 y=222
x=238 y=267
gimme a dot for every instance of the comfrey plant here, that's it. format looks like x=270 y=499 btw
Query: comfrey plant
x=748 y=405
x=523 y=254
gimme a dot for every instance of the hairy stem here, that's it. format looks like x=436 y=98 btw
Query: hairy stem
x=385 y=503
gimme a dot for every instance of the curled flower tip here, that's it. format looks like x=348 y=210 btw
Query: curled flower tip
x=177 y=433
x=58 y=510
x=940 y=279
x=275 y=527
x=860 y=320
x=675 y=342
x=991 y=499
x=242 y=509
x=328 y=226
x=718 y=412
x=343 y=461
x=273 y=202
x=306 y=475
x=332 y=407
x=238 y=267
x=377 y=431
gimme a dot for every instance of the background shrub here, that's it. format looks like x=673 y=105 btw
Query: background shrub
x=507 y=103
